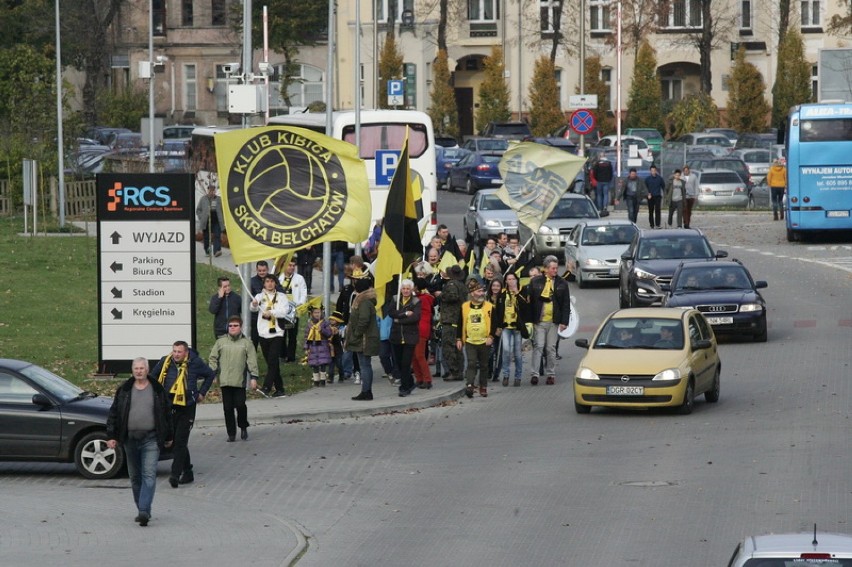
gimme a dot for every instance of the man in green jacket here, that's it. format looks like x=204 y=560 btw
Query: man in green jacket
x=362 y=332
x=231 y=356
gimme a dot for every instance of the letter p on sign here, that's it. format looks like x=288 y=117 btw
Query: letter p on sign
x=386 y=161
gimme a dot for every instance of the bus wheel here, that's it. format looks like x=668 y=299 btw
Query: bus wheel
x=792 y=235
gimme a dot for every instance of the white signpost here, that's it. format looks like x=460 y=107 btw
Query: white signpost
x=577 y=102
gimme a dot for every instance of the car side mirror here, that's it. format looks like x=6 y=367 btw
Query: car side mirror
x=570 y=243
x=582 y=343
x=760 y=284
x=626 y=256
x=701 y=344
x=472 y=208
x=42 y=400
x=721 y=254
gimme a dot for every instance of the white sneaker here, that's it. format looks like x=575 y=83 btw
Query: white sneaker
x=357 y=377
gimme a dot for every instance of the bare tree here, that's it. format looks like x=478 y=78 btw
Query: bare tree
x=554 y=26
x=638 y=21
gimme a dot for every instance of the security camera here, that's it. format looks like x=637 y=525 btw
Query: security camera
x=160 y=59
x=231 y=68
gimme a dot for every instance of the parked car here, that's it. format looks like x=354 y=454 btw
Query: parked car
x=173 y=155
x=721 y=188
x=642 y=147
x=445 y=159
x=652 y=258
x=760 y=196
x=445 y=141
x=733 y=163
x=729 y=133
x=558 y=143
x=553 y=233
x=486 y=145
x=757 y=160
x=649 y=358
x=178 y=131
x=594 y=249
x=128 y=143
x=718 y=144
x=507 y=130
x=104 y=135
x=46 y=418
x=488 y=216
x=566 y=132
x=810 y=549
x=650 y=135
x=763 y=141
x=725 y=293
x=475 y=171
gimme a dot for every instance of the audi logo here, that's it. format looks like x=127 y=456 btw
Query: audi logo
x=716 y=308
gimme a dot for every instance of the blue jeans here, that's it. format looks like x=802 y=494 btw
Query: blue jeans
x=511 y=343
x=142 y=456
x=602 y=195
x=366 y=364
x=632 y=207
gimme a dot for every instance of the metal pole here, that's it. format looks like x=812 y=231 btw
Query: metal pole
x=266 y=60
x=151 y=86
x=59 y=129
x=618 y=49
x=329 y=95
x=582 y=151
x=245 y=269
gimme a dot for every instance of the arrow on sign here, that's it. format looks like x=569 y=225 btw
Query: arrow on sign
x=116 y=237
x=116 y=267
x=116 y=314
x=116 y=293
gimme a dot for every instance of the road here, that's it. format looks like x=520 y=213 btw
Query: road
x=520 y=479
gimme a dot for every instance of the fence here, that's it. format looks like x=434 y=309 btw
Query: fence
x=5 y=198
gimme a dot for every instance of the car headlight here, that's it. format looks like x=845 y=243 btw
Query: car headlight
x=667 y=375
x=491 y=223
x=594 y=262
x=750 y=307
x=584 y=373
x=547 y=230
x=643 y=275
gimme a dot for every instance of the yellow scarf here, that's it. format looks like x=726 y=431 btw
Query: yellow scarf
x=178 y=389
x=269 y=304
x=314 y=334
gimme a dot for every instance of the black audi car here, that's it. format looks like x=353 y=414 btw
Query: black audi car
x=46 y=418
x=725 y=293
x=651 y=259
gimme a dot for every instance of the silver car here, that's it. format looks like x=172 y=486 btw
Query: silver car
x=488 y=216
x=594 y=248
x=553 y=233
x=800 y=549
x=758 y=162
x=721 y=188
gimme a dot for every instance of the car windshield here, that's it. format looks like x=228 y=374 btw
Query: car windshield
x=492 y=203
x=492 y=145
x=641 y=333
x=608 y=235
x=716 y=178
x=674 y=248
x=58 y=387
x=574 y=209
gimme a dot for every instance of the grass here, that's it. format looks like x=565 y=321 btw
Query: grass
x=49 y=306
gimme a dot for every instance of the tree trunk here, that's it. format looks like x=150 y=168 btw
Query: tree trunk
x=442 y=26
x=783 y=19
x=705 y=47
x=557 y=28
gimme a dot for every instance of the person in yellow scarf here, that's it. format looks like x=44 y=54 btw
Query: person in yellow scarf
x=318 y=346
x=179 y=373
x=550 y=310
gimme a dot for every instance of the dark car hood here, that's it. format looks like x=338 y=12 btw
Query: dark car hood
x=664 y=268
x=711 y=297
x=91 y=409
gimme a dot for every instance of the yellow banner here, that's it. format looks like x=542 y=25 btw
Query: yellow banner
x=535 y=176
x=286 y=188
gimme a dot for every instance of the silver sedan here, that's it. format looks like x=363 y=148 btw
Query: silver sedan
x=488 y=216
x=722 y=188
x=593 y=250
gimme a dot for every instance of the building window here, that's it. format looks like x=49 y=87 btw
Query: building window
x=550 y=10
x=745 y=15
x=384 y=8
x=810 y=14
x=158 y=12
x=483 y=10
x=305 y=87
x=219 y=12
x=186 y=13
x=190 y=95
x=815 y=82
x=672 y=88
x=685 y=14
x=557 y=75
x=599 y=16
x=361 y=82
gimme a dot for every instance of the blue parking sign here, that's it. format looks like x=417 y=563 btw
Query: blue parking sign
x=386 y=161
x=395 y=88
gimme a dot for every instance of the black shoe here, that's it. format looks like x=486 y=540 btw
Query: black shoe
x=422 y=385
x=558 y=357
x=143 y=518
x=231 y=438
x=363 y=396
x=173 y=481
x=244 y=433
x=187 y=478
x=428 y=385
x=469 y=392
x=403 y=392
x=265 y=391
x=279 y=394
x=445 y=374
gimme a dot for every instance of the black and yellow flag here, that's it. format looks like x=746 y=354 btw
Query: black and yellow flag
x=287 y=188
x=400 y=243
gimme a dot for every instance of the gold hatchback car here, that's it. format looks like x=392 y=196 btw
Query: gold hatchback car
x=647 y=358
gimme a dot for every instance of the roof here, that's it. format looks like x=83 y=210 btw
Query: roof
x=648 y=232
x=673 y=313
x=607 y=222
x=795 y=544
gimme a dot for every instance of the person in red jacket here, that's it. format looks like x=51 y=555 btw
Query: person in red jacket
x=422 y=374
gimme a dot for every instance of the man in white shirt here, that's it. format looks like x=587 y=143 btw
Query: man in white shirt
x=272 y=307
x=296 y=290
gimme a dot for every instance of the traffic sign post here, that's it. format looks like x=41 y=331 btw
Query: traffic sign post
x=396 y=93
x=146 y=254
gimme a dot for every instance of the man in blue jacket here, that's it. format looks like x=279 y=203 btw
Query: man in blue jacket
x=656 y=189
x=179 y=373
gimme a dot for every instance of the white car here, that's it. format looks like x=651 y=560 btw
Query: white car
x=594 y=248
x=627 y=143
x=800 y=549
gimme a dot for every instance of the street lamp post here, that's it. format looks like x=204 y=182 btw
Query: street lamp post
x=59 y=129
x=151 y=86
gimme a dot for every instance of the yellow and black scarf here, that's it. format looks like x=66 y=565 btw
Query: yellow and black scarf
x=178 y=389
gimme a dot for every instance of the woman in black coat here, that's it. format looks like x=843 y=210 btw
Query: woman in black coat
x=404 y=334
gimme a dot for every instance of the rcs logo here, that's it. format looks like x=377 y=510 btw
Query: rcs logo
x=138 y=197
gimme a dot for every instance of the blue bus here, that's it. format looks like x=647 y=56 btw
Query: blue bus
x=819 y=169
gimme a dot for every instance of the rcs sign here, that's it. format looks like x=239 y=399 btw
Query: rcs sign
x=155 y=195
x=128 y=196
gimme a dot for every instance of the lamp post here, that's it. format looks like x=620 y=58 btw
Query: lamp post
x=59 y=130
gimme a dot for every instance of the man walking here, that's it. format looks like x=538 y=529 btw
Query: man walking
x=691 y=189
x=211 y=220
x=453 y=295
x=232 y=356
x=141 y=420
x=632 y=191
x=272 y=307
x=550 y=307
x=224 y=304
x=601 y=175
x=179 y=373
x=477 y=336
x=656 y=188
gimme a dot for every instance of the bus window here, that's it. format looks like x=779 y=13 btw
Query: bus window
x=388 y=137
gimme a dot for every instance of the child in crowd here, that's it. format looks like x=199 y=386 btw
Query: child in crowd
x=318 y=346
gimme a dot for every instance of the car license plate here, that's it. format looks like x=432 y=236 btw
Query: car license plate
x=724 y=193
x=625 y=390
x=837 y=214
x=496 y=181
x=720 y=320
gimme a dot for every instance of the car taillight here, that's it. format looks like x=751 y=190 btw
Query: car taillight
x=739 y=190
x=483 y=167
x=815 y=556
x=433 y=217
